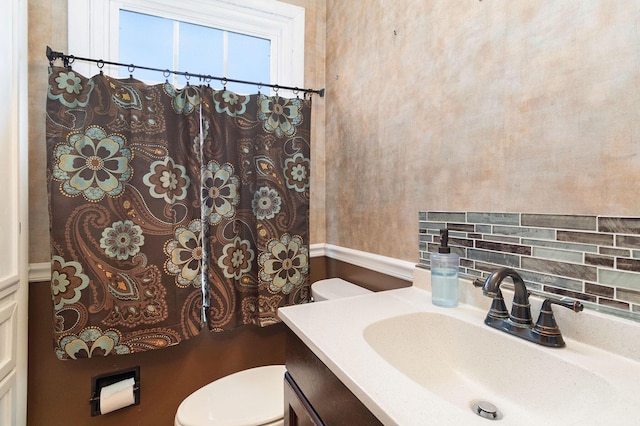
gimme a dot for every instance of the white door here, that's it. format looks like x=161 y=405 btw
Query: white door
x=13 y=213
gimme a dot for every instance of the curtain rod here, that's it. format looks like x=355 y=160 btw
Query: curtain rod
x=69 y=59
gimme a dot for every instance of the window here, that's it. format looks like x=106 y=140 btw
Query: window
x=183 y=46
x=211 y=37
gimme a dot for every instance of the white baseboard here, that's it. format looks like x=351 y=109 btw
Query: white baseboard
x=375 y=262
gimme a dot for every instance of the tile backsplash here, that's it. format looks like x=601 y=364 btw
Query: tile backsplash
x=595 y=259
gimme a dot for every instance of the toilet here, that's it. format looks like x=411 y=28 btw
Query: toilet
x=253 y=397
x=335 y=288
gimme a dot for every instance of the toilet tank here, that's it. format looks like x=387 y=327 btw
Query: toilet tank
x=335 y=288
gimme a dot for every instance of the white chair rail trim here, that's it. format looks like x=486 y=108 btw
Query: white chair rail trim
x=385 y=265
x=39 y=272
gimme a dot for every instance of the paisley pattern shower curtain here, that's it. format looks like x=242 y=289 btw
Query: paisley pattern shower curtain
x=255 y=195
x=171 y=210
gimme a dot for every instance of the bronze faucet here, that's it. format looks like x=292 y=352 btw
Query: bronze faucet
x=545 y=332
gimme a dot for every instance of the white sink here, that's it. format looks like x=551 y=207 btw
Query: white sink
x=462 y=363
x=412 y=363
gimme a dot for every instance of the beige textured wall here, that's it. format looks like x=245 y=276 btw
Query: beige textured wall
x=441 y=105
x=48 y=26
x=495 y=105
x=314 y=77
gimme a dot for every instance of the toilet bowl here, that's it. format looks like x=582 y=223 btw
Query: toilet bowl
x=253 y=397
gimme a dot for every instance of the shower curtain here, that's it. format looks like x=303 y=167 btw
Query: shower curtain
x=170 y=210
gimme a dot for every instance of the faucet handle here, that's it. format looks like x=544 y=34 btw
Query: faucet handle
x=547 y=327
x=498 y=309
x=479 y=282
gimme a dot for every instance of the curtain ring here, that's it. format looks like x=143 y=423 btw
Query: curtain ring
x=100 y=64
x=166 y=73
x=224 y=83
x=296 y=91
x=67 y=61
x=259 y=87
x=131 y=68
x=187 y=77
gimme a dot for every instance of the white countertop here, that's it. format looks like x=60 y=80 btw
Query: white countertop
x=340 y=345
x=333 y=330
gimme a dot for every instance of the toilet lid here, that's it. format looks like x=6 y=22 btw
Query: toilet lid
x=246 y=398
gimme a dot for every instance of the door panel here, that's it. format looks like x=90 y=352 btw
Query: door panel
x=13 y=213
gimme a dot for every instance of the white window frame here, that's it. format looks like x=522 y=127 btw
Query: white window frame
x=93 y=29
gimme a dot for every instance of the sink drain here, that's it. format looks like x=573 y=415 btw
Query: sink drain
x=486 y=410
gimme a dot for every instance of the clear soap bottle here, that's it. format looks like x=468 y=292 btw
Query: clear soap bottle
x=444 y=274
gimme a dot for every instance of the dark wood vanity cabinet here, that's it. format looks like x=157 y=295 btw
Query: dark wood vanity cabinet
x=298 y=411
x=314 y=395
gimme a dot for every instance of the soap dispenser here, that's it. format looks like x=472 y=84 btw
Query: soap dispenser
x=444 y=274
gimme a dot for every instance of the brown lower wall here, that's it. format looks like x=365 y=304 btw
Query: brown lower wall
x=366 y=278
x=59 y=391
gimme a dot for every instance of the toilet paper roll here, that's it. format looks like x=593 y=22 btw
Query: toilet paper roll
x=117 y=395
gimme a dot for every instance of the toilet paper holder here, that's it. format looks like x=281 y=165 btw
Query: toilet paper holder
x=103 y=380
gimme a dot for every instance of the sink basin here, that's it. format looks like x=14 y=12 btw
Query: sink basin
x=461 y=361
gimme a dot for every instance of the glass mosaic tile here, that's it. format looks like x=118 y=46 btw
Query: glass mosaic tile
x=592 y=258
